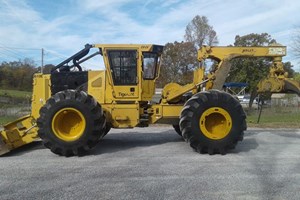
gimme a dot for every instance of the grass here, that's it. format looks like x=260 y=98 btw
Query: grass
x=6 y=119
x=15 y=93
x=284 y=117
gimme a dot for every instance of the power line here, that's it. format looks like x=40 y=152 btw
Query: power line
x=15 y=53
x=7 y=55
x=12 y=52
x=61 y=56
x=58 y=55
x=30 y=49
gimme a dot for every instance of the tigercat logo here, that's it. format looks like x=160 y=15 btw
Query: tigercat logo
x=248 y=51
x=124 y=94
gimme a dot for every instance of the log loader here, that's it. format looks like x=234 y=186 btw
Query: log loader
x=73 y=109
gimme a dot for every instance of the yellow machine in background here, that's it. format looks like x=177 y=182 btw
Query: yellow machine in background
x=73 y=109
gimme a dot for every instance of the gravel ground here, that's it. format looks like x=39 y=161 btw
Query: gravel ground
x=155 y=163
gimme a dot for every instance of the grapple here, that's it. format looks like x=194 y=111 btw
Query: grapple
x=276 y=85
x=292 y=86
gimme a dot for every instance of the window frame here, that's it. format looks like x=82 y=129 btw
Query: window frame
x=113 y=67
x=155 y=68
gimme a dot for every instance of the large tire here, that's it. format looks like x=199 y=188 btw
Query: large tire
x=212 y=122
x=177 y=129
x=71 y=123
x=107 y=128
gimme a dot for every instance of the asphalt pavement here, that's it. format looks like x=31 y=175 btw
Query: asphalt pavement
x=155 y=163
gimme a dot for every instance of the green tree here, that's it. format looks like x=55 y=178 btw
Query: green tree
x=251 y=70
x=17 y=74
x=199 y=32
x=47 y=68
x=297 y=76
x=288 y=67
x=6 y=75
x=180 y=58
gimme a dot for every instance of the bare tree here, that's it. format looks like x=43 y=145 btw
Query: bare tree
x=199 y=32
x=180 y=58
x=178 y=61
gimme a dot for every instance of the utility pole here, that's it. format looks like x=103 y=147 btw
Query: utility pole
x=42 y=60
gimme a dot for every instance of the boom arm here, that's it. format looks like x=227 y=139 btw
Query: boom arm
x=275 y=82
x=221 y=53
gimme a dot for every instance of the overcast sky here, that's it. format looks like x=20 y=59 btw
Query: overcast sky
x=63 y=27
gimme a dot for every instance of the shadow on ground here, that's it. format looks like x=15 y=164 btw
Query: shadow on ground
x=123 y=141
x=246 y=145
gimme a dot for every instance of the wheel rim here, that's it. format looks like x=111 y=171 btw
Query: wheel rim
x=215 y=123
x=68 y=124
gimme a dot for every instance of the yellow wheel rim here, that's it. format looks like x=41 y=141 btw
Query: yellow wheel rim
x=215 y=123
x=68 y=124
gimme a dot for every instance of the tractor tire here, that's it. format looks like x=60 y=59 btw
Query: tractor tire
x=71 y=123
x=212 y=122
x=177 y=129
x=107 y=128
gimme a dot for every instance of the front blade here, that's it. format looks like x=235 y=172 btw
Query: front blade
x=3 y=147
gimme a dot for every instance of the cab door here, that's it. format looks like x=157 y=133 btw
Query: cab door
x=123 y=67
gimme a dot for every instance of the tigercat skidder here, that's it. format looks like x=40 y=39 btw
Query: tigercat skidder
x=73 y=109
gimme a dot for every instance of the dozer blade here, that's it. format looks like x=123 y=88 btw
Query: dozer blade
x=3 y=147
x=18 y=133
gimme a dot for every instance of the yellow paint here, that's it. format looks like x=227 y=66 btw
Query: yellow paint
x=215 y=123
x=223 y=55
x=96 y=85
x=148 y=90
x=172 y=92
x=123 y=115
x=164 y=113
x=68 y=124
x=220 y=53
x=277 y=85
x=41 y=93
x=124 y=105
x=23 y=130
x=18 y=133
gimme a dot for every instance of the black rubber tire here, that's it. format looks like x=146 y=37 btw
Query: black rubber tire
x=87 y=106
x=107 y=128
x=195 y=107
x=177 y=129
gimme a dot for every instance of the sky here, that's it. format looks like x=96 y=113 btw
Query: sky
x=63 y=27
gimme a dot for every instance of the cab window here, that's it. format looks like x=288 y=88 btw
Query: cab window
x=123 y=64
x=149 y=65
